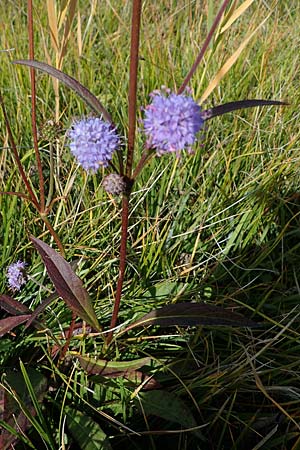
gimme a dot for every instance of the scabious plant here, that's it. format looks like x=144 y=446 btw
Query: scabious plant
x=93 y=142
x=16 y=275
x=172 y=122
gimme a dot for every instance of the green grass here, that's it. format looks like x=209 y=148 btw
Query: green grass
x=220 y=226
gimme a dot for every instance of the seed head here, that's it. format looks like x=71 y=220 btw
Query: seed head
x=114 y=184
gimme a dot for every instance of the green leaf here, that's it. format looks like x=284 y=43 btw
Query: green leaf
x=67 y=284
x=17 y=407
x=166 y=405
x=86 y=432
x=100 y=366
x=192 y=314
x=73 y=84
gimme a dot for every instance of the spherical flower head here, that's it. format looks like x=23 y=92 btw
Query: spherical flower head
x=93 y=142
x=114 y=184
x=16 y=275
x=172 y=122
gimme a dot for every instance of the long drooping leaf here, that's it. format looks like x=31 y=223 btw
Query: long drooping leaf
x=6 y=325
x=69 y=81
x=67 y=284
x=233 y=106
x=191 y=314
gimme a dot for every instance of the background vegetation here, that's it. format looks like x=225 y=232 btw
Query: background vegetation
x=220 y=226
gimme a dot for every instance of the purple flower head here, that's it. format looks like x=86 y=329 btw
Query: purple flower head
x=16 y=275
x=172 y=122
x=93 y=142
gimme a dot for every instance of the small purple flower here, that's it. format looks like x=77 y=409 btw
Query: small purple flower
x=16 y=275
x=93 y=142
x=171 y=122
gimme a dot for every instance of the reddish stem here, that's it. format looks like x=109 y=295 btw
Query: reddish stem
x=204 y=48
x=53 y=234
x=33 y=108
x=134 y=60
x=122 y=267
x=69 y=337
x=17 y=157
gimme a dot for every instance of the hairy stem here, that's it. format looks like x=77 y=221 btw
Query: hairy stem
x=33 y=109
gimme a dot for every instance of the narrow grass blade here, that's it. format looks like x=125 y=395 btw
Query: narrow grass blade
x=86 y=432
x=229 y=63
x=36 y=387
x=40 y=308
x=236 y=14
x=73 y=84
x=67 y=284
x=52 y=21
x=168 y=406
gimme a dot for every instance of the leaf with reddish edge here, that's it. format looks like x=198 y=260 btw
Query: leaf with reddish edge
x=233 y=106
x=67 y=284
x=6 y=325
x=69 y=81
x=102 y=367
x=192 y=314
x=115 y=369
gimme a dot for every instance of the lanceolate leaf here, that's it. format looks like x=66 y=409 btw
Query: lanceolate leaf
x=102 y=367
x=114 y=369
x=67 y=284
x=69 y=81
x=191 y=314
x=168 y=406
x=233 y=106
x=12 y=306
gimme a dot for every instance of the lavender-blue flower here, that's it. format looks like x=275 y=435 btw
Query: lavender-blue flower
x=172 y=122
x=93 y=142
x=16 y=275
